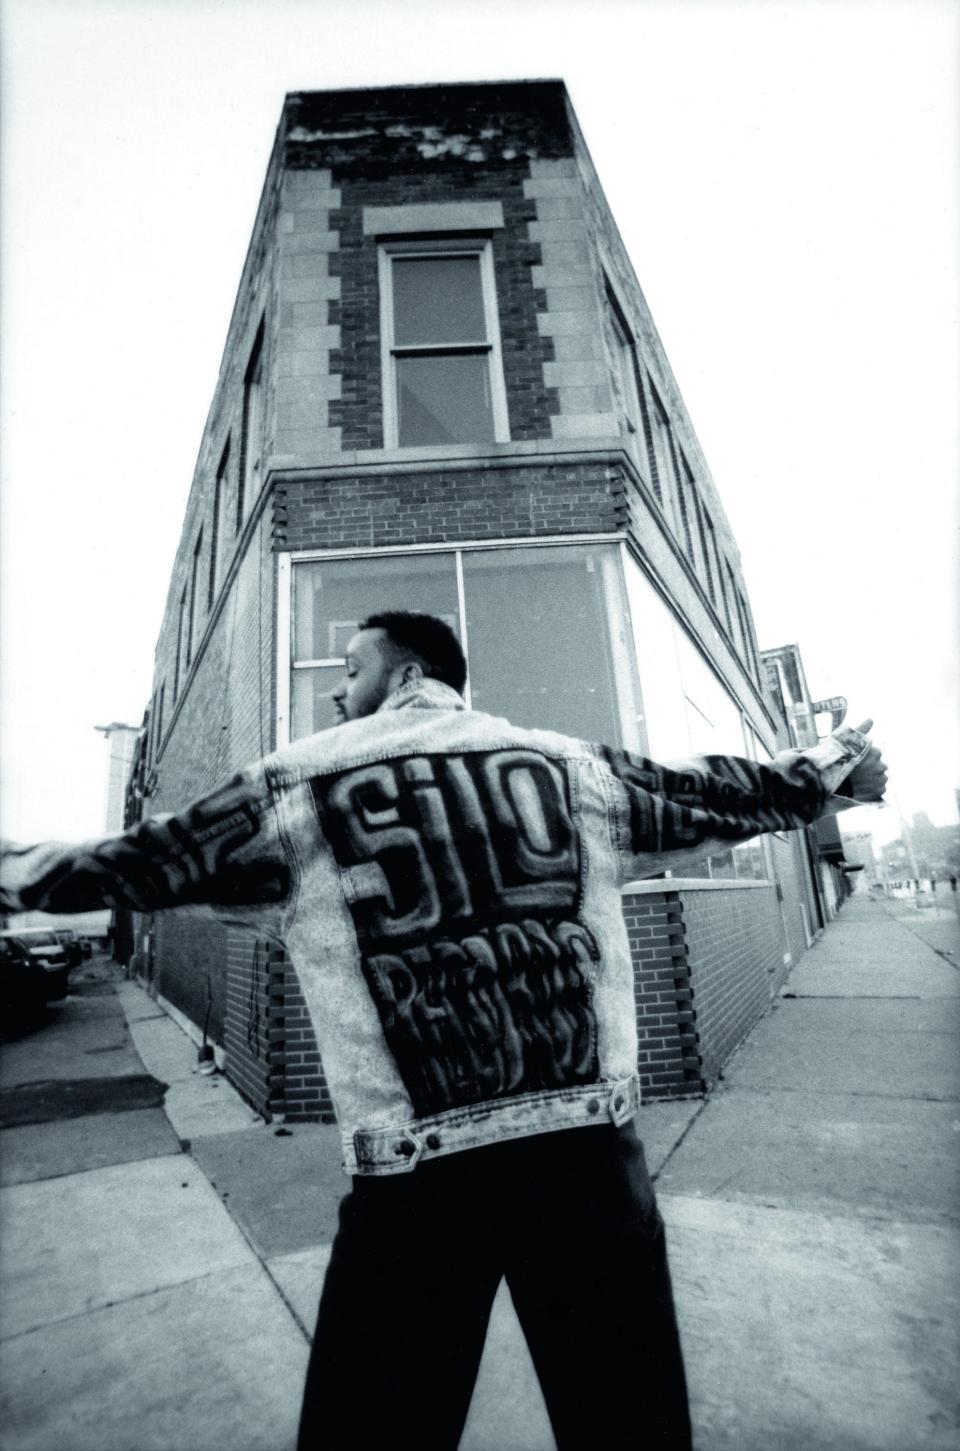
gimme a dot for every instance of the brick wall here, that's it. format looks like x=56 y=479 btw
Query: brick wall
x=734 y=943
x=359 y=410
x=298 y=1087
x=669 y=1058
x=223 y=719
x=445 y=504
x=189 y=968
x=250 y=1028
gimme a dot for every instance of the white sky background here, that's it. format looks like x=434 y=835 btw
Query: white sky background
x=785 y=177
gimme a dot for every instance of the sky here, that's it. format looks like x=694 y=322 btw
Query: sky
x=785 y=178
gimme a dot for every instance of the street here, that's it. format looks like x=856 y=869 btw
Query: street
x=163 y=1248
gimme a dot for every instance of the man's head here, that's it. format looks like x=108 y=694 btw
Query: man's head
x=392 y=649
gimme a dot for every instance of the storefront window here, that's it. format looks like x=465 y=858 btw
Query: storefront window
x=544 y=629
x=688 y=710
x=330 y=597
x=541 y=649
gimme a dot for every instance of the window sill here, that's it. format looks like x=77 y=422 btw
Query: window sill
x=476 y=455
x=691 y=884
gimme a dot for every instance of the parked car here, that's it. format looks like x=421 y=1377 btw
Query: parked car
x=34 y=968
x=72 y=945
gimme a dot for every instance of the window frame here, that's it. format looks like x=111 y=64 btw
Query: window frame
x=193 y=624
x=663 y=448
x=481 y=247
x=179 y=669
x=252 y=431
x=220 y=495
x=627 y=366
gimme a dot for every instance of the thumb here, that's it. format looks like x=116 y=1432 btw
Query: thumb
x=865 y=727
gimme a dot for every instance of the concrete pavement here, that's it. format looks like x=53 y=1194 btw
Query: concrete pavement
x=161 y=1269
x=814 y=1207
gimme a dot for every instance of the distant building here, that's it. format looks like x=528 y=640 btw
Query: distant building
x=123 y=745
x=922 y=853
x=858 y=851
x=442 y=389
x=825 y=861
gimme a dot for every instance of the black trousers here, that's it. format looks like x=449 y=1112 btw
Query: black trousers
x=570 y=1219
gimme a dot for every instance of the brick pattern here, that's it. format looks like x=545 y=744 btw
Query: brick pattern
x=669 y=1061
x=224 y=720
x=249 y=1029
x=297 y=1085
x=358 y=407
x=735 y=950
x=447 y=505
x=188 y=958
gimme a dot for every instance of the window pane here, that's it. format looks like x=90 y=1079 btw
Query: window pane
x=437 y=300
x=311 y=705
x=330 y=596
x=540 y=651
x=444 y=400
x=688 y=710
x=626 y=376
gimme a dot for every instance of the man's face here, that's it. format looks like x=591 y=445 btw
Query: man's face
x=369 y=678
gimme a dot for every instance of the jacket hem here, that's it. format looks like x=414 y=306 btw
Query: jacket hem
x=399 y=1148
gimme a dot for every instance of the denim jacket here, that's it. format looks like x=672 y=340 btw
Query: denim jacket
x=447 y=886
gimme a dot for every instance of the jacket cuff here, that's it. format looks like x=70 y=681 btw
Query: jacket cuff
x=835 y=757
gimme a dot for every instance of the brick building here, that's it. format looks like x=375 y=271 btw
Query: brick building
x=442 y=389
x=820 y=853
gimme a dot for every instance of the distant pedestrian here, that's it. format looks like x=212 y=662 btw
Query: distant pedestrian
x=448 y=888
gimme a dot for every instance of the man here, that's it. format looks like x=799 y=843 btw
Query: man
x=447 y=886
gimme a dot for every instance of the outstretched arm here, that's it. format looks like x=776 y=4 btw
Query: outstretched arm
x=224 y=851
x=669 y=814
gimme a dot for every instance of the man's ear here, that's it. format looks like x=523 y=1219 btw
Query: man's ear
x=412 y=671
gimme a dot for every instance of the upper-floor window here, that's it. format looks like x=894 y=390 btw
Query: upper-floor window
x=718 y=572
x=216 y=526
x=443 y=377
x=694 y=493
x=626 y=368
x=180 y=663
x=665 y=468
x=743 y=616
x=193 y=613
x=251 y=442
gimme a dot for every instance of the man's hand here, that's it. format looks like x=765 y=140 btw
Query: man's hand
x=868 y=780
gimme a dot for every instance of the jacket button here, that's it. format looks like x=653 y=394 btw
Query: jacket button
x=432 y=1141
x=593 y=1105
x=404 y=1147
x=618 y=1102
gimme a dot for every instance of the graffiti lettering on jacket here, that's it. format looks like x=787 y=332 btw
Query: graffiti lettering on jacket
x=731 y=798
x=208 y=853
x=463 y=878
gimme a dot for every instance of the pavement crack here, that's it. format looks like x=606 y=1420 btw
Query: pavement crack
x=693 y=1119
x=89 y=1310
x=818 y=1091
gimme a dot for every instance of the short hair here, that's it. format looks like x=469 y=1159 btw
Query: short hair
x=426 y=637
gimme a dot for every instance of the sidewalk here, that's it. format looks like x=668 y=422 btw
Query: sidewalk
x=162 y=1269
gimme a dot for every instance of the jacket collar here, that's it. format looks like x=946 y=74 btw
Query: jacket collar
x=423 y=694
